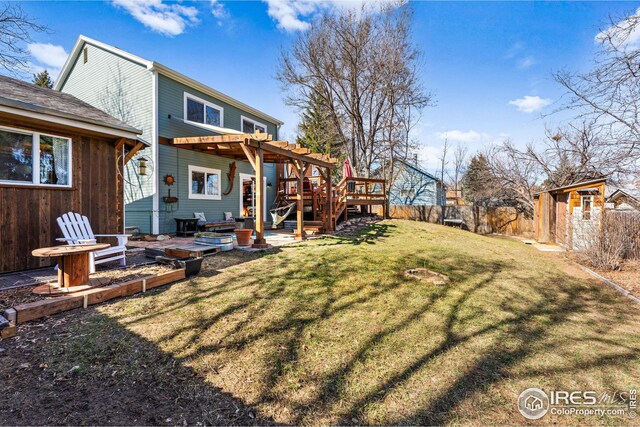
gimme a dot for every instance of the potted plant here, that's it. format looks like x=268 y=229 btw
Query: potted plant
x=244 y=236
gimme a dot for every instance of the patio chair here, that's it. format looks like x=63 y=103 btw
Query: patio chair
x=77 y=230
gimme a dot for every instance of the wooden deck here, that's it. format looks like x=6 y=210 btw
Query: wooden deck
x=363 y=192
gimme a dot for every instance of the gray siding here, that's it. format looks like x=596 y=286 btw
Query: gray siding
x=97 y=82
x=176 y=161
x=106 y=75
x=171 y=102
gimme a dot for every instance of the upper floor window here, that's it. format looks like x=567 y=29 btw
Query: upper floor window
x=199 y=111
x=34 y=158
x=251 y=126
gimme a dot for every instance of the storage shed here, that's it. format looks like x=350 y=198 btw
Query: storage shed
x=57 y=154
x=567 y=215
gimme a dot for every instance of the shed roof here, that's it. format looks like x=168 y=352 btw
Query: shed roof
x=21 y=95
x=570 y=186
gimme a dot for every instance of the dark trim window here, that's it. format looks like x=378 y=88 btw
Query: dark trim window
x=31 y=158
x=197 y=110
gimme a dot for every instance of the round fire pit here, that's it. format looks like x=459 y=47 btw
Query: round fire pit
x=427 y=276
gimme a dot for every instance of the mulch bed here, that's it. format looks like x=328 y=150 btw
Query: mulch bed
x=15 y=296
x=628 y=276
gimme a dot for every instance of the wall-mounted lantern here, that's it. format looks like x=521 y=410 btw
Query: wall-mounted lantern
x=142 y=166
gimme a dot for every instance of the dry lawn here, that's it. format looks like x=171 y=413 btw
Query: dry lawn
x=332 y=332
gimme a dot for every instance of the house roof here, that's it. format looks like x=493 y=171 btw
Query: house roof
x=161 y=69
x=19 y=95
x=631 y=193
x=418 y=169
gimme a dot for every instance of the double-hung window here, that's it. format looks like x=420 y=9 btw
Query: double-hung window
x=251 y=126
x=204 y=183
x=31 y=158
x=199 y=111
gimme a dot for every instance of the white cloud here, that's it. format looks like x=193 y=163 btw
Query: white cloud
x=218 y=10
x=170 y=19
x=294 y=15
x=530 y=104
x=624 y=33
x=48 y=57
x=527 y=62
x=428 y=157
x=461 y=136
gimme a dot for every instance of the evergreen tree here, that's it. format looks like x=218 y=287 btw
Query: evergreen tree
x=478 y=181
x=43 y=79
x=316 y=132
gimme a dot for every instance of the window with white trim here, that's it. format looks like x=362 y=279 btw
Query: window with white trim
x=251 y=126
x=197 y=110
x=587 y=203
x=34 y=158
x=204 y=183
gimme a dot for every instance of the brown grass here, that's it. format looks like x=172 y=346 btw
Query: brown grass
x=332 y=332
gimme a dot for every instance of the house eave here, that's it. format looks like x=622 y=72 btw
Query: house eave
x=188 y=81
x=69 y=120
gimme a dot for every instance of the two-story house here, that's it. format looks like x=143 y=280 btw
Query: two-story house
x=166 y=104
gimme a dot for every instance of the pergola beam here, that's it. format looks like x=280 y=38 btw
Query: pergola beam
x=216 y=139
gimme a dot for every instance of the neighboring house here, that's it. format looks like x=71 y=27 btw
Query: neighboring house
x=569 y=215
x=414 y=186
x=165 y=105
x=624 y=200
x=455 y=198
x=57 y=154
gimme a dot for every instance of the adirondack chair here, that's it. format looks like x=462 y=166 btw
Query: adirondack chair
x=77 y=230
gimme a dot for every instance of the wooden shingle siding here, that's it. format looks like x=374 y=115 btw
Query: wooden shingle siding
x=29 y=213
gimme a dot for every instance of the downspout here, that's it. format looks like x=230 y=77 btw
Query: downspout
x=155 y=208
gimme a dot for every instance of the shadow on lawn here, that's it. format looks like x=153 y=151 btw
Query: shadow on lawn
x=324 y=336
x=266 y=320
x=366 y=235
x=86 y=369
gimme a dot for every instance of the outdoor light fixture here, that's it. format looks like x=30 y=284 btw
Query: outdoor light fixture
x=142 y=165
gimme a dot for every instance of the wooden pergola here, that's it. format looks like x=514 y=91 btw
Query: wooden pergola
x=259 y=148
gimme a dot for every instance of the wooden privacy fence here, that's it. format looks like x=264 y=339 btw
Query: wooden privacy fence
x=504 y=220
x=625 y=227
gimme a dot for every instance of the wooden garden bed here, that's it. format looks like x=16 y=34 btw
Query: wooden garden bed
x=46 y=307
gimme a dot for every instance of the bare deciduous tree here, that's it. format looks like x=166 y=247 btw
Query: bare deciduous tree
x=458 y=170
x=607 y=99
x=16 y=27
x=516 y=176
x=365 y=68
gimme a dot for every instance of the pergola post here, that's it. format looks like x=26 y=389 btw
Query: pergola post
x=259 y=241
x=298 y=168
x=329 y=224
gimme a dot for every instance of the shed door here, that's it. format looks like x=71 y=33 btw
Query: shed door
x=561 y=218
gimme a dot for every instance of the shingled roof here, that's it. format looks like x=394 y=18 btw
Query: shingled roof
x=26 y=96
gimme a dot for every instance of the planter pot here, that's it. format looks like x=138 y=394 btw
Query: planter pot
x=244 y=236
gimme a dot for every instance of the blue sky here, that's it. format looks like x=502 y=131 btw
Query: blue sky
x=488 y=64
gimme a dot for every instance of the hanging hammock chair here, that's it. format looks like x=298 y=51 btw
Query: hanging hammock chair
x=280 y=214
